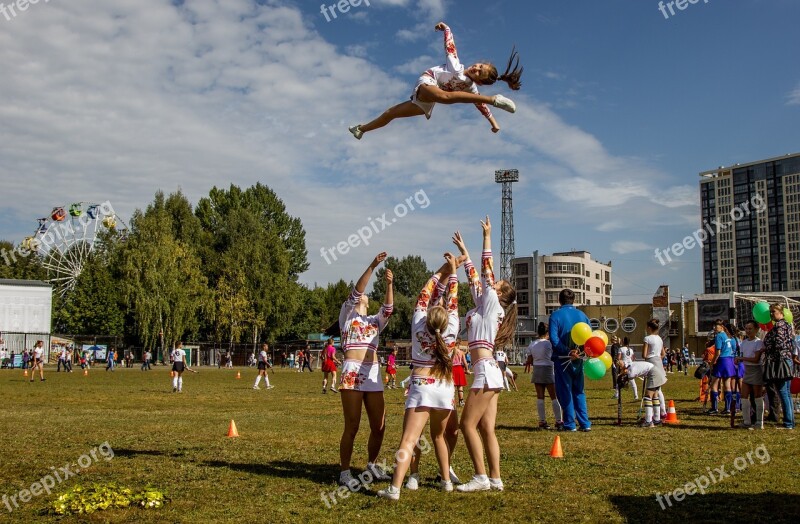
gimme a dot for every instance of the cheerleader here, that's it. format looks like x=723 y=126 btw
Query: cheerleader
x=178 y=358
x=433 y=336
x=753 y=377
x=451 y=83
x=500 y=357
x=490 y=324
x=361 y=383
x=329 y=364
x=653 y=345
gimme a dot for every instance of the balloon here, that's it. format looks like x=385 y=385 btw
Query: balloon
x=580 y=333
x=761 y=313
x=787 y=315
x=794 y=387
x=766 y=327
x=601 y=334
x=594 y=347
x=606 y=358
x=594 y=368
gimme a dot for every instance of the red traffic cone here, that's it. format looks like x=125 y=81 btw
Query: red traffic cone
x=672 y=416
x=555 y=450
x=238 y=374
x=232 y=431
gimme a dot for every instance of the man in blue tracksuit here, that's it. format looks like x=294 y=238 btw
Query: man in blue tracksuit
x=569 y=381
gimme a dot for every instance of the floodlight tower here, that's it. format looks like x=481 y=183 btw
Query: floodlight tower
x=507 y=177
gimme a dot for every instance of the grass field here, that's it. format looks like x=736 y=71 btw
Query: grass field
x=287 y=455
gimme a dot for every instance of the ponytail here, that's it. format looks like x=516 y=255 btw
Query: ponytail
x=435 y=323
x=513 y=74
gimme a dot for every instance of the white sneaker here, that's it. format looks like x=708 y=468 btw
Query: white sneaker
x=446 y=485
x=453 y=476
x=256 y=387
x=496 y=484
x=378 y=473
x=270 y=387
x=474 y=485
x=346 y=478
x=390 y=493
x=334 y=390
x=504 y=103
x=413 y=482
x=358 y=133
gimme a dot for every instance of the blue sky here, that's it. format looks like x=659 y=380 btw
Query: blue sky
x=620 y=110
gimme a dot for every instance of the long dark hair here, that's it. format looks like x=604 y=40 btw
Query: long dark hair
x=508 y=301
x=511 y=76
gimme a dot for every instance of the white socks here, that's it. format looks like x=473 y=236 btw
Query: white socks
x=180 y=383
x=557 y=410
x=258 y=379
x=648 y=410
x=656 y=410
x=746 y=411
x=759 y=411
x=634 y=388
x=174 y=382
x=266 y=380
x=540 y=409
x=662 y=403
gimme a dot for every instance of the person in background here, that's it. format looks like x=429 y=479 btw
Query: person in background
x=300 y=359
x=307 y=360
x=146 y=359
x=26 y=358
x=651 y=352
x=614 y=356
x=779 y=361
x=283 y=359
x=391 y=368
x=263 y=364
x=38 y=360
x=329 y=365
x=62 y=359
x=543 y=377
x=685 y=359
x=752 y=349
x=723 y=369
x=459 y=375
x=110 y=359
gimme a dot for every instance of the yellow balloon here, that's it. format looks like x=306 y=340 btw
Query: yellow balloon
x=606 y=358
x=581 y=332
x=600 y=333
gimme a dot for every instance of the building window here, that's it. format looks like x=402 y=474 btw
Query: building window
x=522 y=311
x=594 y=323
x=521 y=269
x=611 y=325
x=628 y=325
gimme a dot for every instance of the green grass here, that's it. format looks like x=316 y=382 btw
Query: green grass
x=287 y=454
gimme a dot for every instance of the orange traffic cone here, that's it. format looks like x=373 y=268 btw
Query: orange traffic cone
x=232 y=431
x=238 y=375
x=26 y=372
x=555 y=451
x=85 y=372
x=672 y=416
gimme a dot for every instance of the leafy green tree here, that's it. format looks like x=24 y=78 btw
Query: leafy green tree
x=161 y=276
x=92 y=307
x=19 y=263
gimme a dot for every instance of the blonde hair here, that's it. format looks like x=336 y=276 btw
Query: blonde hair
x=507 y=296
x=436 y=323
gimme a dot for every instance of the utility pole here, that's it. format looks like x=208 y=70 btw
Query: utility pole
x=683 y=324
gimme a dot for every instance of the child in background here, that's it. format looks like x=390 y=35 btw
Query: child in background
x=391 y=368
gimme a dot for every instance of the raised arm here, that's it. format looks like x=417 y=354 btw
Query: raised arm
x=439 y=289
x=451 y=55
x=472 y=275
x=355 y=295
x=361 y=285
x=451 y=299
x=487 y=265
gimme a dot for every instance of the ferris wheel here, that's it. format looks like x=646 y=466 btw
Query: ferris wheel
x=68 y=235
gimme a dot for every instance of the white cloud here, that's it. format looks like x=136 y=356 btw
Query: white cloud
x=123 y=98
x=794 y=96
x=417 y=65
x=623 y=247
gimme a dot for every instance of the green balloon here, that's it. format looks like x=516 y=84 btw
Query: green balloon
x=787 y=315
x=761 y=313
x=594 y=368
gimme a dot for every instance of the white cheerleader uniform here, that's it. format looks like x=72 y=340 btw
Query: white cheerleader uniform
x=361 y=332
x=483 y=322
x=428 y=391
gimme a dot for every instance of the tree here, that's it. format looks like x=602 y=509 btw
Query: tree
x=92 y=307
x=410 y=275
x=20 y=263
x=162 y=280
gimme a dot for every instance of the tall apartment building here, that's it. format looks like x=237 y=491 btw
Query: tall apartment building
x=539 y=280
x=752 y=215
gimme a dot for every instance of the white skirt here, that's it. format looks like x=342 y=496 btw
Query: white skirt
x=361 y=376
x=487 y=374
x=430 y=392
